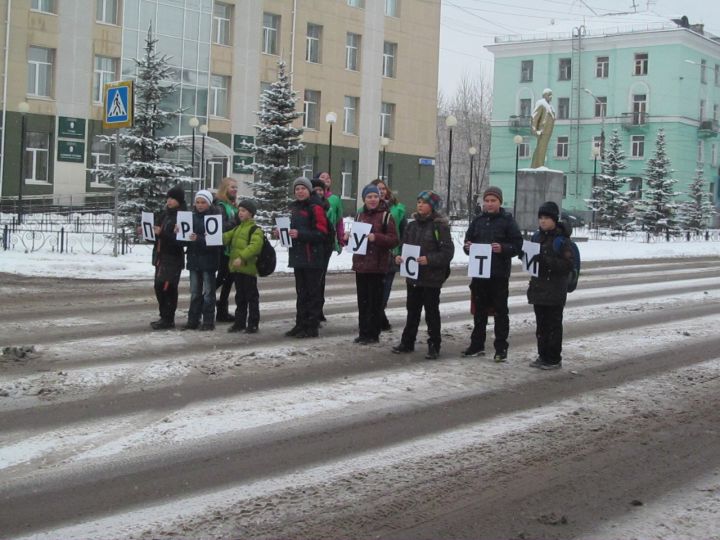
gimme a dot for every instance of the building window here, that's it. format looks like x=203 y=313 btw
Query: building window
x=100 y=157
x=714 y=154
x=222 y=17
x=565 y=69
x=219 y=92
x=602 y=67
x=391 y=8
x=703 y=71
x=563 y=111
x=701 y=152
x=717 y=74
x=601 y=107
x=641 y=63
x=636 y=187
x=352 y=51
x=702 y=110
x=387 y=120
x=37 y=147
x=350 y=115
x=40 y=71
x=639 y=109
x=389 y=59
x=106 y=11
x=308 y=166
x=525 y=107
x=312 y=43
x=356 y=3
x=311 y=108
x=562 y=148
x=524 y=148
x=346 y=170
x=526 y=71
x=715 y=112
x=597 y=143
x=46 y=6
x=271 y=29
x=637 y=145
x=105 y=72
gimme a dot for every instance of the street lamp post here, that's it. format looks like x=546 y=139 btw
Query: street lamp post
x=384 y=141
x=203 y=131
x=330 y=118
x=23 y=108
x=595 y=153
x=472 y=151
x=517 y=139
x=193 y=123
x=450 y=122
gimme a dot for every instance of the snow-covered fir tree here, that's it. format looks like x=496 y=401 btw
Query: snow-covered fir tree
x=277 y=143
x=658 y=209
x=610 y=200
x=695 y=215
x=144 y=176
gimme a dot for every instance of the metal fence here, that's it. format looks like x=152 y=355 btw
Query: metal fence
x=74 y=239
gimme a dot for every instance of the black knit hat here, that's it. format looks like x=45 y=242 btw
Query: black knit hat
x=549 y=209
x=317 y=183
x=177 y=193
x=249 y=205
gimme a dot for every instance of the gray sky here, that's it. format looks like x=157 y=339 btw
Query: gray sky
x=468 y=25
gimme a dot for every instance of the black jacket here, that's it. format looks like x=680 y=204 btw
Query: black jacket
x=550 y=287
x=168 y=255
x=308 y=249
x=439 y=249
x=499 y=228
x=200 y=256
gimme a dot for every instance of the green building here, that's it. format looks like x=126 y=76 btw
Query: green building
x=635 y=81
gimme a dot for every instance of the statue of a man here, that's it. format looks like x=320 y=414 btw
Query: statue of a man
x=543 y=121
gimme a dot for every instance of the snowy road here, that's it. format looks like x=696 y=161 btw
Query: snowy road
x=109 y=430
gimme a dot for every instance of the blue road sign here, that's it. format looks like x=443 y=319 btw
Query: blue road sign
x=118 y=104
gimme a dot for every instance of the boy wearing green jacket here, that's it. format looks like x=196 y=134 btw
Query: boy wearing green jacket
x=245 y=242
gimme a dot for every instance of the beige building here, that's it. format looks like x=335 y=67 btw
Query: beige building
x=373 y=63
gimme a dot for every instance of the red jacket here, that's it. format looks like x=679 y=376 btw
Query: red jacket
x=377 y=258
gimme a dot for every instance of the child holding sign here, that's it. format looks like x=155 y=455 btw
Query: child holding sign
x=548 y=291
x=202 y=262
x=168 y=258
x=497 y=228
x=429 y=233
x=371 y=261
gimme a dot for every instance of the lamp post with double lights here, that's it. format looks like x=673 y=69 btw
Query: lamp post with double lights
x=23 y=109
x=330 y=118
x=203 y=132
x=384 y=141
x=472 y=192
x=193 y=123
x=450 y=122
x=518 y=140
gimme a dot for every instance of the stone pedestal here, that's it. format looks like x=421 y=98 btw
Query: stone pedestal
x=534 y=187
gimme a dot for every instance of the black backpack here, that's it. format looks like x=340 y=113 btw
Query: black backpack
x=267 y=259
x=558 y=243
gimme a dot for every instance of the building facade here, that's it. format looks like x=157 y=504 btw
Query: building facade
x=634 y=81
x=371 y=63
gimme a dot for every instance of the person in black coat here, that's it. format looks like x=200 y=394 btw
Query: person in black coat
x=497 y=227
x=202 y=262
x=168 y=258
x=548 y=291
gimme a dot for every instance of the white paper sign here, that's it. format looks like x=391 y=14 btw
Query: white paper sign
x=213 y=230
x=184 y=223
x=480 y=261
x=410 y=268
x=531 y=253
x=283 y=225
x=358 y=238
x=148 y=221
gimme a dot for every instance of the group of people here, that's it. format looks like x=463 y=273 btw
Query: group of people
x=317 y=230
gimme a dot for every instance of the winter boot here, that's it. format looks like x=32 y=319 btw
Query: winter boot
x=222 y=313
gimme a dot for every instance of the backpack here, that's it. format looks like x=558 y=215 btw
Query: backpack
x=267 y=259
x=574 y=274
x=437 y=239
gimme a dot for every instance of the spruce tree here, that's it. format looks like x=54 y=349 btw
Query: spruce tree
x=277 y=142
x=657 y=208
x=145 y=176
x=610 y=198
x=695 y=214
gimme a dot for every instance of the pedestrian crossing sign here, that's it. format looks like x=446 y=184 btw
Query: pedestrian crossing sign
x=118 y=104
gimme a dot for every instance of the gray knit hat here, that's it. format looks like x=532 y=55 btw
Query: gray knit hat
x=302 y=181
x=494 y=191
x=249 y=205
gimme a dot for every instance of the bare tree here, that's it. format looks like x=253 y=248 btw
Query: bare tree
x=472 y=106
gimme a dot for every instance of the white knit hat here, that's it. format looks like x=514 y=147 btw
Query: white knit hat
x=205 y=194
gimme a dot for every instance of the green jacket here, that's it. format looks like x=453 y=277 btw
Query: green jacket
x=242 y=245
x=230 y=219
x=397 y=211
x=334 y=215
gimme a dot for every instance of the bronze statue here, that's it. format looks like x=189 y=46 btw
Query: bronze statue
x=543 y=121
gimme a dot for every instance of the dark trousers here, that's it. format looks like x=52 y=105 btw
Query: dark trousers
x=224 y=281
x=166 y=292
x=417 y=299
x=389 y=278
x=326 y=262
x=202 y=297
x=370 y=289
x=490 y=294
x=309 y=300
x=549 y=333
x=247 y=300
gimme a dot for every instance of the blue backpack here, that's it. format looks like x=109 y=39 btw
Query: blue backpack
x=558 y=243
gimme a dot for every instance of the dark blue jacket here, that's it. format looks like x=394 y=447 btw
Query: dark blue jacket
x=201 y=257
x=550 y=287
x=497 y=228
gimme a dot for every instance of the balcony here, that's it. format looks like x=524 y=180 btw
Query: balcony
x=634 y=120
x=709 y=128
x=519 y=123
